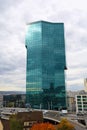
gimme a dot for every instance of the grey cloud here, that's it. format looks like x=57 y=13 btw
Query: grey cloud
x=15 y=15
x=75 y=87
x=5 y=4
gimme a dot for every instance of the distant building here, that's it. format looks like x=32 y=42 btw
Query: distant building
x=27 y=119
x=72 y=93
x=1 y=100
x=14 y=100
x=71 y=104
x=81 y=103
x=85 y=84
x=46 y=64
x=71 y=100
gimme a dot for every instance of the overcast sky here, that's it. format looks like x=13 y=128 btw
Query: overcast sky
x=14 y=14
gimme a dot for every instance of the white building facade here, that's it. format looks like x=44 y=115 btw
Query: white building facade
x=81 y=103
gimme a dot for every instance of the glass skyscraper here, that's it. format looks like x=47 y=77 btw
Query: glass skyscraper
x=45 y=76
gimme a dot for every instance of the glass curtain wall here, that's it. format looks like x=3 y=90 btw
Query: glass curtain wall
x=45 y=77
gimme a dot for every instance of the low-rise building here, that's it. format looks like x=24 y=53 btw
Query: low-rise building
x=14 y=100
x=27 y=119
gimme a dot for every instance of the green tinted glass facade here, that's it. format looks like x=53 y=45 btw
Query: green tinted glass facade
x=45 y=78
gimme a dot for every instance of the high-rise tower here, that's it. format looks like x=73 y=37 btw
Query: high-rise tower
x=45 y=77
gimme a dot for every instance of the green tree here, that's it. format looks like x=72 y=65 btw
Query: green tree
x=10 y=104
x=15 y=123
x=65 y=125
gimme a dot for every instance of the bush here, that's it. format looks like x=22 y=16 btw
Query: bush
x=65 y=125
x=43 y=126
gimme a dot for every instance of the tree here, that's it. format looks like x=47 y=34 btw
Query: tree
x=65 y=125
x=43 y=126
x=10 y=104
x=15 y=124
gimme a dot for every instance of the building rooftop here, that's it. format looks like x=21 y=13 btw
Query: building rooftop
x=45 y=22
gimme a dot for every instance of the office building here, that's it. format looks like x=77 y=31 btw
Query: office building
x=81 y=103
x=46 y=64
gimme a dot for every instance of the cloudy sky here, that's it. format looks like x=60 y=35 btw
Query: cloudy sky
x=14 y=14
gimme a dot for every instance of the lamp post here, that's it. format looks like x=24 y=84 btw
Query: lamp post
x=48 y=106
x=40 y=105
x=51 y=105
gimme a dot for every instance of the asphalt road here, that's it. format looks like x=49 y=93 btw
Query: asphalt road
x=77 y=125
